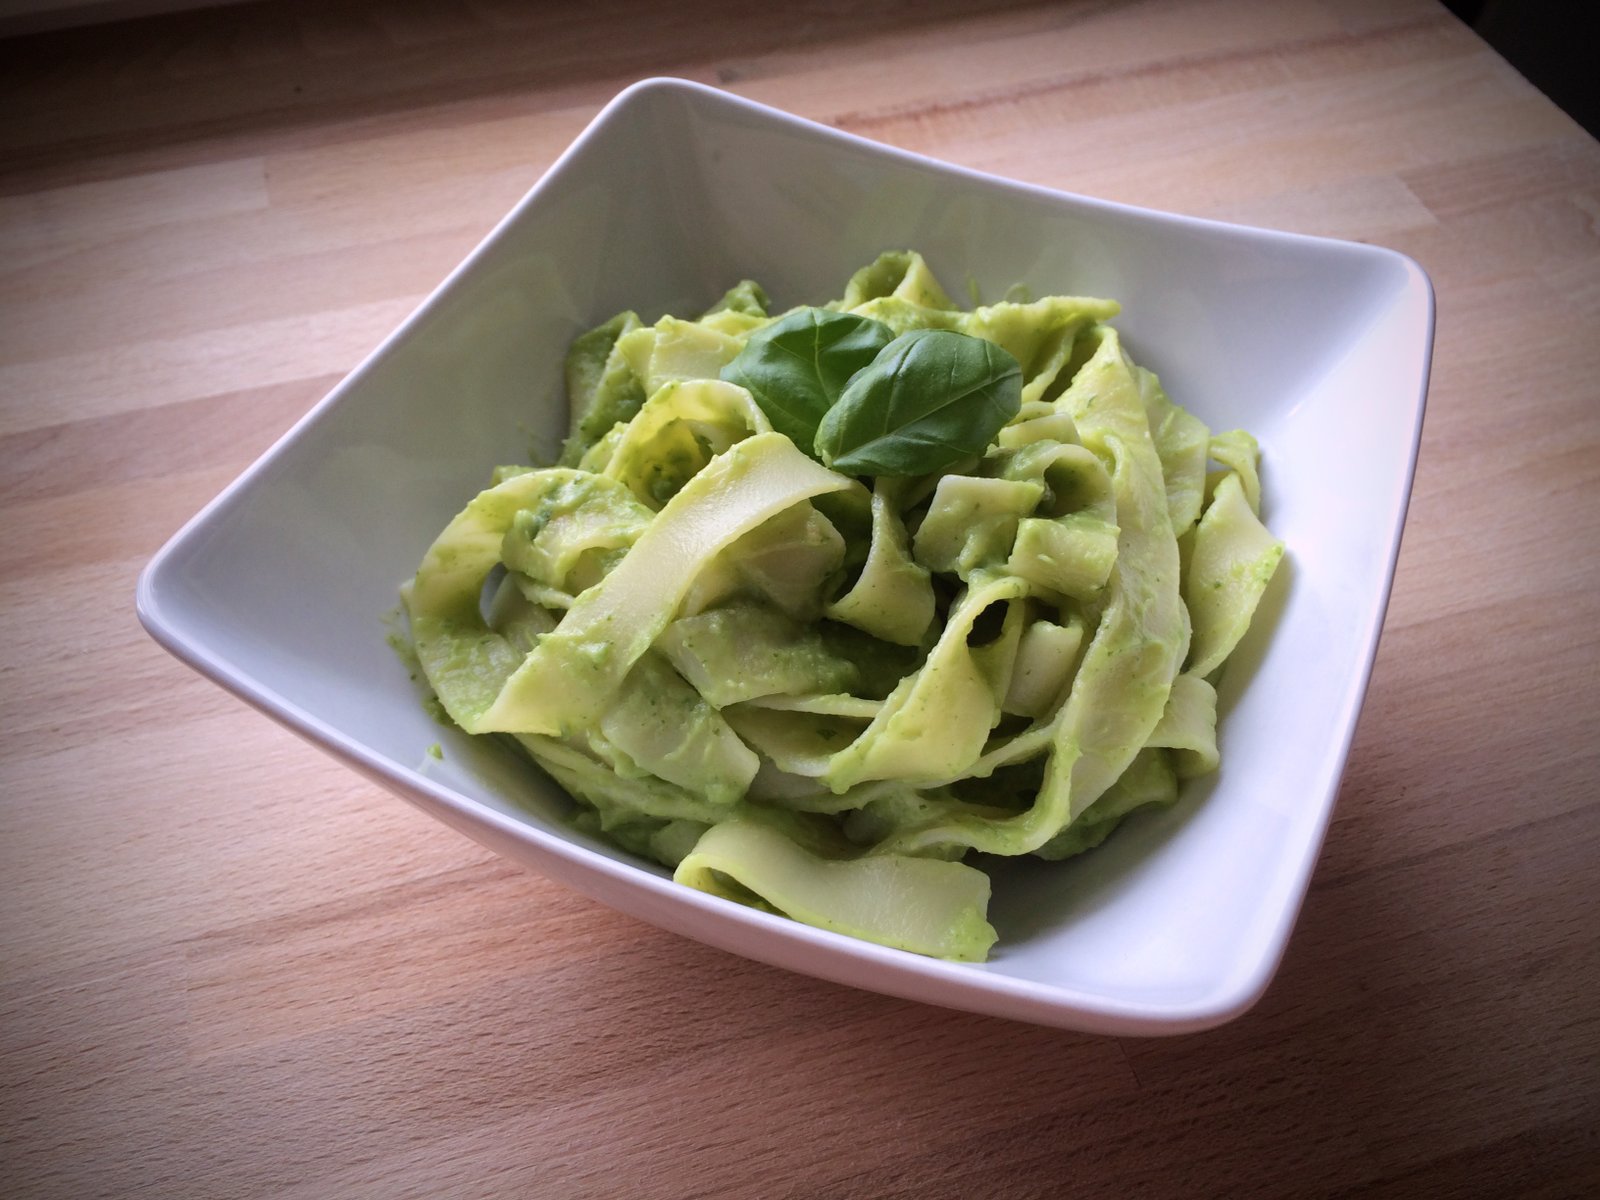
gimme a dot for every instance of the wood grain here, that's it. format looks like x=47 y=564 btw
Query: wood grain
x=230 y=968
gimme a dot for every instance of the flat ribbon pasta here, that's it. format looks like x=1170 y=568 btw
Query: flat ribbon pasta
x=1233 y=560
x=918 y=904
x=613 y=623
x=814 y=694
x=1121 y=688
x=892 y=599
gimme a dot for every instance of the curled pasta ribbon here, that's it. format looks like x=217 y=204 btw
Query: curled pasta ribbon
x=580 y=527
x=677 y=432
x=1149 y=780
x=893 y=597
x=972 y=523
x=613 y=623
x=1188 y=726
x=674 y=350
x=1121 y=687
x=1067 y=547
x=935 y=723
x=1182 y=443
x=815 y=699
x=1232 y=561
x=917 y=904
x=1042 y=334
x=791 y=561
x=746 y=651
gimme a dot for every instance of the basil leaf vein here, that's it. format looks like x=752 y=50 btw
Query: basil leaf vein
x=929 y=399
x=797 y=367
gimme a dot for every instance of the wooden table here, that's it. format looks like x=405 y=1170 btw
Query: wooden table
x=229 y=967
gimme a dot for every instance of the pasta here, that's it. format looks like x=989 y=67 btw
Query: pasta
x=818 y=604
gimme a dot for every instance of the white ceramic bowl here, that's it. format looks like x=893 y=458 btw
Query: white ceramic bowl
x=676 y=191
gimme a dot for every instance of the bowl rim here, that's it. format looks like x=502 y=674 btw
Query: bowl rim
x=762 y=936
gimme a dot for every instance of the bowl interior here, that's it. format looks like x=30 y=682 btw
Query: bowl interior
x=1320 y=348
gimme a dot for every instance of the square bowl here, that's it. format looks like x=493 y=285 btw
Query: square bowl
x=277 y=589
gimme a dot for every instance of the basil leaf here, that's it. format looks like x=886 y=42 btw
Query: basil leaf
x=931 y=398
x=797 y=367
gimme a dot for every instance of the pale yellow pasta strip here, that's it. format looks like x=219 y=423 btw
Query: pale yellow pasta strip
x=1121 y=688
x=918 y=904
x=935 y=723
x=1188 y=727
x=659 y=449
x=1233 y=560
x=893 y=597
x=566 y=682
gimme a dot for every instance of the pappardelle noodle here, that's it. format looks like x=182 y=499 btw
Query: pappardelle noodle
x=817 y=604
